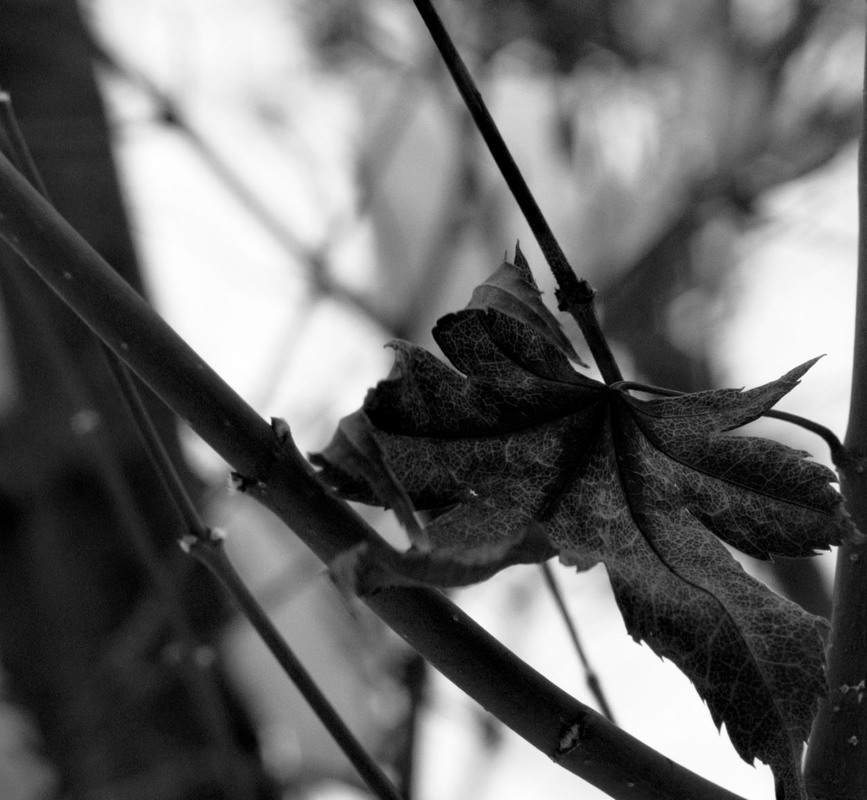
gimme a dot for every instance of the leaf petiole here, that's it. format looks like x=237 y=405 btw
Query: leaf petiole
x=839 y=454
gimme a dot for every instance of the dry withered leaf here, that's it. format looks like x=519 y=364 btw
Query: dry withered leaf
x=520 y=457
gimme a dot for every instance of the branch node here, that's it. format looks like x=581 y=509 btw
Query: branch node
x=573 y=292
x=243 y=483
x=281 y=430
x=570 y=739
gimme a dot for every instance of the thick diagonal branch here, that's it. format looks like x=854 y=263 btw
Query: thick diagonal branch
x=572 y=734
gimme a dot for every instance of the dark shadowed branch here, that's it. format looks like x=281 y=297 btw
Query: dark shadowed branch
x=574 y=294
x=572 y=734
x=836 y=766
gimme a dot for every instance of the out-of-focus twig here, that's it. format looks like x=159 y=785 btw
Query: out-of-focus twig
x=314 y=259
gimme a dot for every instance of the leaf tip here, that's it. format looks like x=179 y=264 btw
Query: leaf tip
x=523 y=265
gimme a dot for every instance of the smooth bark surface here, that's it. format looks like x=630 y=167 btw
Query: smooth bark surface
x=836 y=767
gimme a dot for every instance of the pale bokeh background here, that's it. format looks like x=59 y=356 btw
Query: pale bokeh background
x=358 y=158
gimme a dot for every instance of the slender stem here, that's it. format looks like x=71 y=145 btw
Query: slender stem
x=157 y=452
x=836 y=766
x=212 y=554
x=197 y=532
x=838 y=451
x=202 y=687
x=590 y=676
x=574 y=294
x=14 y=144
x=281 y=479
x=201 y=543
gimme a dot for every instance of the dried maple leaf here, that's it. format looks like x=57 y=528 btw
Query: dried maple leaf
x=521 y=458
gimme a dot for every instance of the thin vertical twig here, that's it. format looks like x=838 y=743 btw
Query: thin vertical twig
x=574 y=294
x=160 y=459
x=836 y=765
